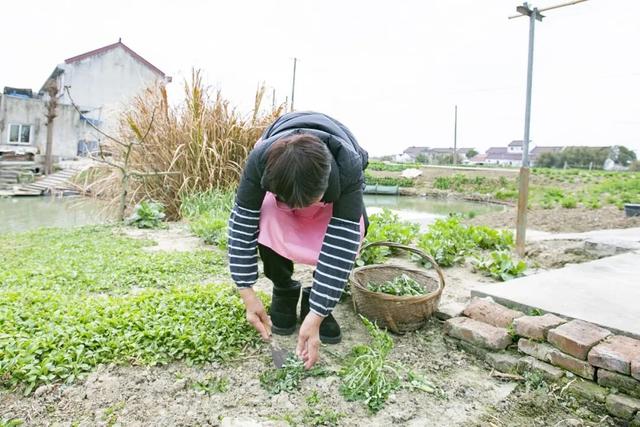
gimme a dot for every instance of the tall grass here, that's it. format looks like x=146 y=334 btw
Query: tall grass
x=199 y=145
x=207 y=214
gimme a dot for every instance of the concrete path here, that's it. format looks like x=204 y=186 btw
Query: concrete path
x=605 y=292
x=625 y=238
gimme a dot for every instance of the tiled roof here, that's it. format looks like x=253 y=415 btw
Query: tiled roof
x=110 y=47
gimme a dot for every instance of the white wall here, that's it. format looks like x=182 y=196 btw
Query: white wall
x=67 y=126
x=106 y=83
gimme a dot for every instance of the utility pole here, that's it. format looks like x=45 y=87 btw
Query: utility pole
x=293 y=84
x=523 y=193
x=273 y=98
x=455 y=136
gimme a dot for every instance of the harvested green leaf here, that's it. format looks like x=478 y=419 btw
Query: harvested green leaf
x=402 y=285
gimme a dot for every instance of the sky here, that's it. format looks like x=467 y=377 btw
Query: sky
x=391 y=71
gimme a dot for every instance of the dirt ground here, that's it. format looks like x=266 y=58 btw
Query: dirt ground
x=560 y=220
x=165 y=396
x=168 y=396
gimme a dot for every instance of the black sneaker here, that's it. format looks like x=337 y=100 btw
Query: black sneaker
x=329 y=328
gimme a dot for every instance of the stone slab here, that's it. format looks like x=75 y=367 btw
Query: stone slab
x=503 y=362
x=477 y=333
x=571 y=364
x=625 y=384
x=622 y=406
x=635 y=368
x=577 y=337
x=615 y=354
x=536 y=327
x=588 y=390
x=604 y=292
x=450 y=310
x=539 y=350
x=548 y=372
x=491 y=313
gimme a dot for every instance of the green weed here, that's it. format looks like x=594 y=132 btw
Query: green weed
x=289 y=376
x=211 y=384
x=500 y=265
x=386 y=226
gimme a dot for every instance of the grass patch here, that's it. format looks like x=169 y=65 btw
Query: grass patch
x=208 y=215
x=388 y=180
x=96 y=259
x=93 y=296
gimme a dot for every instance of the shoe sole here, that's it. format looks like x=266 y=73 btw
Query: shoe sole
x=283 y=331
x=330 y=340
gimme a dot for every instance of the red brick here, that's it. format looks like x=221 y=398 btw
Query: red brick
x=539 y=350
x=477 y=333
x=489 y=312
x=577 y=337
x=625 y=384
x=571 y=364
x=635 y=368
x=536 y=327
x=615 y=354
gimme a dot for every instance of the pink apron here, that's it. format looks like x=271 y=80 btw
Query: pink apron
x=296 y=234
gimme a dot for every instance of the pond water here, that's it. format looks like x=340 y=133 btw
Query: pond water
x=425 y=210
x=26 y=213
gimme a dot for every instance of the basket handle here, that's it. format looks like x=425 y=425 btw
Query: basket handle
x=421 y=254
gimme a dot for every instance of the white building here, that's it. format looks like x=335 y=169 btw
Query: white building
x=102 y=82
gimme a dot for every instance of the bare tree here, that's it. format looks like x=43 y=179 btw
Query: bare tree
x=121 y=164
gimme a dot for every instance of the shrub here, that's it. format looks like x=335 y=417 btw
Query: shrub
x=388 y=180
x=208 y=214
x=147 y=214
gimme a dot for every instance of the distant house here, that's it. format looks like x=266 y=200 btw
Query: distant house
x=413 y=152
x=101 y=82
x=505 y=156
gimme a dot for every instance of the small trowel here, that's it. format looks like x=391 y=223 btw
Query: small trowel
x=278 y=354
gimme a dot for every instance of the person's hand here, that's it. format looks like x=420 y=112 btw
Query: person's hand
x=256 y=314
x=309 y=340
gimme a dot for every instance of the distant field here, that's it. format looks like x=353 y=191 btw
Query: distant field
x=550 y=188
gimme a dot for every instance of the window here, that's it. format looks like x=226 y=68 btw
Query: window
x=19 y=134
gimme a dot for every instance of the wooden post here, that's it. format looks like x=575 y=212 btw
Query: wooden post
x=52 y=104
x=521 y=221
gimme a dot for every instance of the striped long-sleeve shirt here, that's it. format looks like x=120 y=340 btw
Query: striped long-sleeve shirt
x=342 y=237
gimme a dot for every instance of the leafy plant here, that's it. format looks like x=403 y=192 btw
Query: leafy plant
x=399 y=181
x=147 y=214
x=500 y=265
x=211 y=384
x=97 y=297
x=368 y=375
x=402 y=285
x=288 y=377
x=386 y=226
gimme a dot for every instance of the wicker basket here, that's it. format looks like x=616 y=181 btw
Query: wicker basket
x=398 y=313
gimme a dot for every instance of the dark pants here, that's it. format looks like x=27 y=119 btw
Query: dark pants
x=277 y=268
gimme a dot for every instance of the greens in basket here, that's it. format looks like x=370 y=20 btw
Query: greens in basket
x=402 y=285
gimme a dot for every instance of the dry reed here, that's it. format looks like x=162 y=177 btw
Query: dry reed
x=197 y=146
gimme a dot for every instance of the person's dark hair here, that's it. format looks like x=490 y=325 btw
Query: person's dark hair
x=297 y=169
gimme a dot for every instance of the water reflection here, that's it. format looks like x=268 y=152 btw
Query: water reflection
x=426 y=210
x=26 y=213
